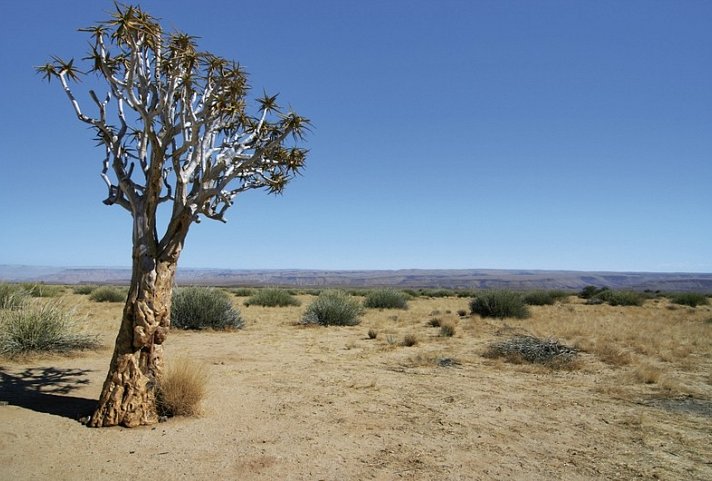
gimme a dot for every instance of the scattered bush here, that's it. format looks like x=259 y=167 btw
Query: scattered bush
x=333 y=308
x=621 y=298
x=437 y=293
x=435 y=322
x=204 y=308
x=41 y=328
x=544 y=298
x=12 y=296
x=447 y=329
x=243 y=291
x=386 y=299
x=43 y=290
x=272 y=297
x=591 y=291
x=462 y=312
x=108 y=294
x=499 y=304
x=84 y=289
x=372 y=334
x=534 y=350
x=181 y=388
x=692 y=299
x=410 y=340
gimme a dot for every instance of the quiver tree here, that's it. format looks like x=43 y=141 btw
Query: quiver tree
x=175 y=131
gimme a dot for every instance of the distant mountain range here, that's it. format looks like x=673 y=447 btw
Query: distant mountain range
x=406 y=278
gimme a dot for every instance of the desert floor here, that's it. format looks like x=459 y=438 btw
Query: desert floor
x=288 y=402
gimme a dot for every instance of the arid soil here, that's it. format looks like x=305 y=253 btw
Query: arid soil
x=288 y=402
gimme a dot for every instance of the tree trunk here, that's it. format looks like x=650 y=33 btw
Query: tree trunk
x=128 y=397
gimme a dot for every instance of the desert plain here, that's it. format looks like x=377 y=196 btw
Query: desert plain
x=290 y=402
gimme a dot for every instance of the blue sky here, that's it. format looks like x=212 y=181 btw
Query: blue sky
x=450 y=134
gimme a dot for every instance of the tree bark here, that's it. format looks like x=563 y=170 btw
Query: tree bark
x=128 y=397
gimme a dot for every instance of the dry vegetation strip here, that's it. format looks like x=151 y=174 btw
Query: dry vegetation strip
x=638 y=404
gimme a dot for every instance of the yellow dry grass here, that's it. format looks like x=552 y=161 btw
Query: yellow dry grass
x=182 y=387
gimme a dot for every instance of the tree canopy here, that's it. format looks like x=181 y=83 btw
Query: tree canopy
x=174 y=123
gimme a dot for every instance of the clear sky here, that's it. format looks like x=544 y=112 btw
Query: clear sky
x=448 y=134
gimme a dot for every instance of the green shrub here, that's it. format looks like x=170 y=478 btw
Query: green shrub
x=204 y=308
x=272 y=297
x=386 y=299
x=84 y=289
x=438 y=293
x=500 y=304
x=538 y=298
x=12 y=296
x=544 y=298
x=589 y=292
x=333 y=307
x=108 y=294
x=621 y=298
x=43 y=290
x=41 y=328
x=243 y=291
x=692 y=299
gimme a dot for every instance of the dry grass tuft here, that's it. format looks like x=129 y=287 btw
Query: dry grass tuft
x=182 y=388
x=647 y=373
x=447 y=329
x=410 y=340
x=613 y=355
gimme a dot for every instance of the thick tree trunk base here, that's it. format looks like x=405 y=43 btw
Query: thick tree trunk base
x=129 y=395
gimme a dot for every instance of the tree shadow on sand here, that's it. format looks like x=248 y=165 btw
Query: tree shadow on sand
x=45 y=389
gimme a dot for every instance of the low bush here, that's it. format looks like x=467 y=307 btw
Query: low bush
x=43 y=290
x=333 y=308
x=108 y=294
x=386 y=299
x=534 y=350
x=499 y=304
x=447 y=329
x=204 y=308
x=84 y=289
x=12 y=296
x=272 y=297
x=46 y=328
x=243 y=291
x=435 y=322
x=438 y=293
x=462 y=312
x=543 y=297
x=181 y=388
x=692 y=299
x=591 y=291
x=621 y=298
x=372 y=334
x=410 y=340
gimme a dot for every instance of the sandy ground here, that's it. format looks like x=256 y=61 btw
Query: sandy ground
x=287 y=402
